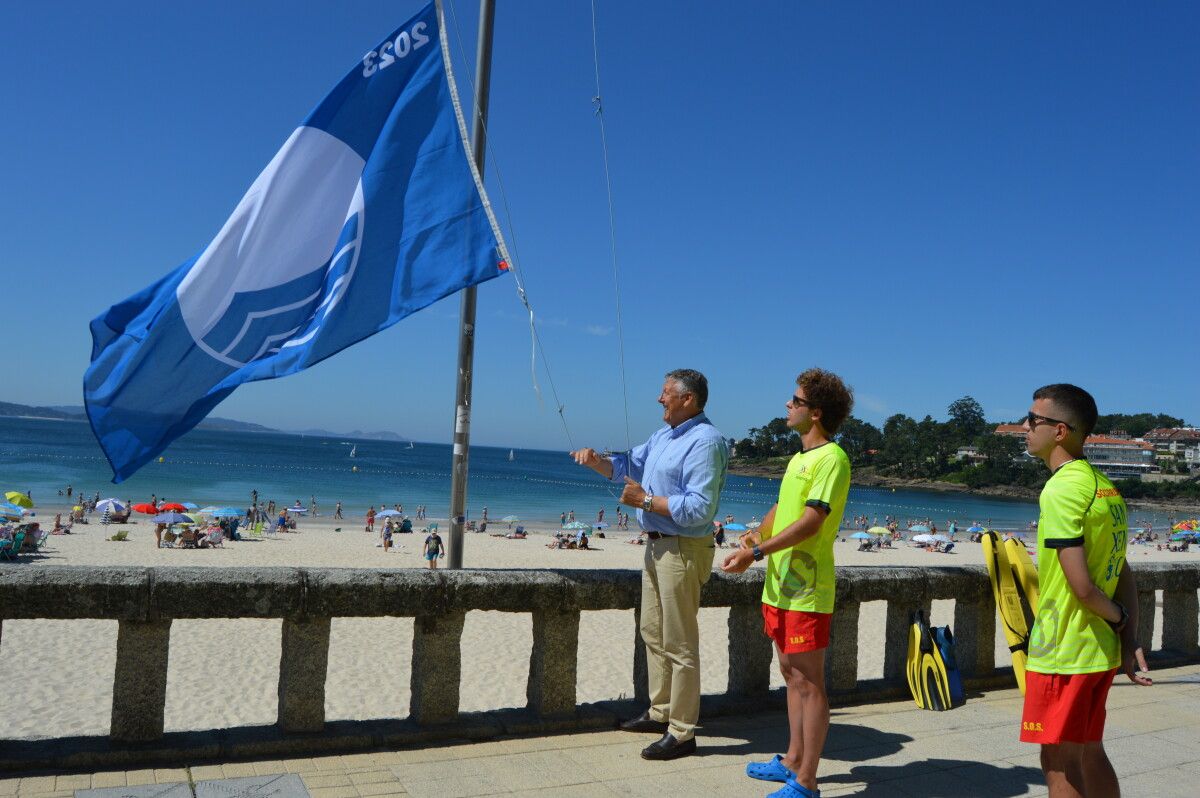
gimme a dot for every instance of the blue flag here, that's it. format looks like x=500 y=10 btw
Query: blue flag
x=371 y=211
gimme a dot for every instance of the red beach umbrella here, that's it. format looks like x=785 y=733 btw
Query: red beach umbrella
x=146 y=508
x=172 y=507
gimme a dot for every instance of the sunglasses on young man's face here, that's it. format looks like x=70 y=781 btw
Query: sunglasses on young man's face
x=1033 y=419
x=796 y=401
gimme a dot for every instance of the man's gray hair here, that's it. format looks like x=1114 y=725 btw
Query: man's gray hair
x=692 y=382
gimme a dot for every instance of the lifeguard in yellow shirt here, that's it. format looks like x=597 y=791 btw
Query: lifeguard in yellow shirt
x=1087 y=607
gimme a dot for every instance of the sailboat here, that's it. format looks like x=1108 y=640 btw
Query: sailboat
x=510 y=455
x=354 y=450
x=410 y=444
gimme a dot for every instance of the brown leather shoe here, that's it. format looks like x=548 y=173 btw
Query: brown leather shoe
x=669 y=748
x=644 y=723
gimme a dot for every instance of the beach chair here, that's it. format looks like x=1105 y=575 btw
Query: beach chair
x=187 y=538
x=13 y=547
x=256 y=531
x=215 y=538
x=169 y=538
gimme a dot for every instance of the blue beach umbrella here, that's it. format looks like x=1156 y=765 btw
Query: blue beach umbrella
x=226 y=512
x=191 y=506
x=578 y=525
x=173 y=518
x=976 y=528
x=110 y=505
x=862 y=536
x=918 y=528
x=383 y=513
x=736 y=527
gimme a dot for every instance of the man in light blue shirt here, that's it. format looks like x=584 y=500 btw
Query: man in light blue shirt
x=674 y=480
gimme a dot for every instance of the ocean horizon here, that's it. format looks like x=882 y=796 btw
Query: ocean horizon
x=44 y=456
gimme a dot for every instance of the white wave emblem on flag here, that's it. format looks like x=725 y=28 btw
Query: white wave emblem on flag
x=284 y=258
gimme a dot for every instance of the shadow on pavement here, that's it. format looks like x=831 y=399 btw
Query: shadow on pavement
x=940 y=778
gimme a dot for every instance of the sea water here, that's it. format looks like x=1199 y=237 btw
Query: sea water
x=222 y=468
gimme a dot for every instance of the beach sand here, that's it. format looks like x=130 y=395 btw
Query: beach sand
x=225 y=672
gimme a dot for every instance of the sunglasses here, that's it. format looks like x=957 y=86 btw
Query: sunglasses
x=796 y=401
x=1033 y=419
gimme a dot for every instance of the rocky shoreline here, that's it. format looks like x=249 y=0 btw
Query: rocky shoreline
x=867 y=478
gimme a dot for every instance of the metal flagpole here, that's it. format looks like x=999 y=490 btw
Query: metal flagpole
x=466 y=335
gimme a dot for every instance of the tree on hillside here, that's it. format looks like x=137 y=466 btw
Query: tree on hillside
x=1137 y=424
x=858 y=438
x=966 y=418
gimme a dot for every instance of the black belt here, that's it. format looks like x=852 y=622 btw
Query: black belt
x=656 y=535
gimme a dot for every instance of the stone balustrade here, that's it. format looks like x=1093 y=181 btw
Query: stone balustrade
x=145 y=601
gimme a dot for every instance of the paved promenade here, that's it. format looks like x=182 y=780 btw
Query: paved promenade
x=873 y=750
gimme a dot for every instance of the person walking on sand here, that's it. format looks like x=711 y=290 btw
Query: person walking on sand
x=371 y=519
x=797 y=535
x=674 y=480
x=337 y=512
x=1087 y=619
x=433 y=549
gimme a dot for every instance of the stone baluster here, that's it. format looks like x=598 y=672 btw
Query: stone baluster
x=975 y=635
x=303 y=662
x=140 y=680
x=749 y=652
x=841 y=661
x=1146 y=609
x=436 y=667
x=1180 y=627
x=899 y=620
x=641 y=670
x=553 y=663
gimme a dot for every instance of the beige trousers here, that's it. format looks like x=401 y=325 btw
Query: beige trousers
x=675 y=570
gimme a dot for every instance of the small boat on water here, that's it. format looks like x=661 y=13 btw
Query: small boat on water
x=510 y=456
x=354 y=450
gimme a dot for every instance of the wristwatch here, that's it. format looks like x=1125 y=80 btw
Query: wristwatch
x=646 y=502
x=758 y=554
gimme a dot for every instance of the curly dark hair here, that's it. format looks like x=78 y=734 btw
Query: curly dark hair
x=825 y=391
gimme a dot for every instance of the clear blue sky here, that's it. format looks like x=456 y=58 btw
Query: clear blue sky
x=932 y=199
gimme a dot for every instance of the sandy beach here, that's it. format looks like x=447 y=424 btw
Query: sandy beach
x=224 y=673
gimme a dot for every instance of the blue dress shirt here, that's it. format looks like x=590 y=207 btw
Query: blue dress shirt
x=687 y=465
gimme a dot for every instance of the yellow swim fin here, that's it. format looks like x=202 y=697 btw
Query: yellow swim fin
x=1008 y=601
x=927 y=676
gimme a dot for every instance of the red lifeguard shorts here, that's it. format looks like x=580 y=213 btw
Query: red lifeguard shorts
x=796 y=631
x=1065 y=708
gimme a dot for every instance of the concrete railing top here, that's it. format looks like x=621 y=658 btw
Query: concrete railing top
x=141 y=594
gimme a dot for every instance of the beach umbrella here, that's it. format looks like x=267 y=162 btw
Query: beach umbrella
x=10 y=507
x=861 y=536
x=938 y=538
x=578 y=525
x=173 y=518
x=736 y=527
x=226 y=512
x=380 y=514
x=918 y=528
x=305 y=510
x=976 y=528
x=922 y=538
x=879 y=530
x=754 y=525
x=146 y=508
x=190 y=506
x=171 y=507
x=110 y=505
x=18 y=498
x=1182 y=536
x=1185 y=526
x=508 y=519
x=209 y=510
x=602 y=525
